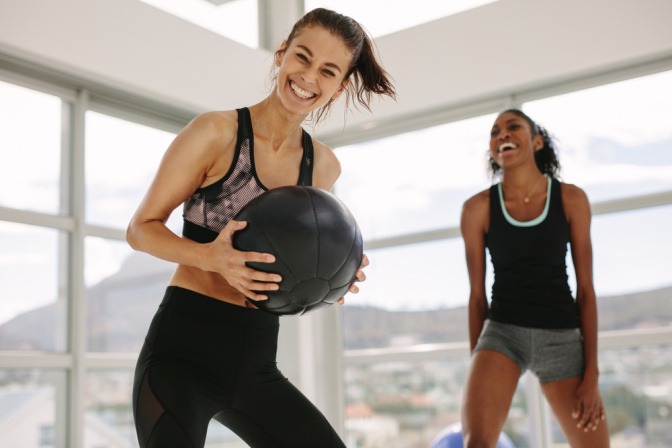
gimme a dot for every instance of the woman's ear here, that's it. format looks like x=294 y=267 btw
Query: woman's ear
x=340 y=89
x=280 y=53
x=538 y=142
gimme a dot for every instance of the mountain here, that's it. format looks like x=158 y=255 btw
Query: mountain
x=121 y=307
x=366 y=327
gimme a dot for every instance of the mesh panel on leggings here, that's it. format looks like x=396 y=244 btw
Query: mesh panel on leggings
x=148 y=411
x=214 y=206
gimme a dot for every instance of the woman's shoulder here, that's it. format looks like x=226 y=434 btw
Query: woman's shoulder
x=575 y=202
x=322 y=149
x=216 y=121
x=327 y=167
x=572 y=193
x=211 y=131
x=480 y=199
x=477 y=206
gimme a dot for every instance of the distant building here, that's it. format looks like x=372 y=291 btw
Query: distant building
x=28 y=420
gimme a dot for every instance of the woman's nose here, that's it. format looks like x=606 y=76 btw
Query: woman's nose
x=309 y=75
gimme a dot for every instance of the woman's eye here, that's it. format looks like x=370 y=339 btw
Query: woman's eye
x=329 y=73
x=302 y=57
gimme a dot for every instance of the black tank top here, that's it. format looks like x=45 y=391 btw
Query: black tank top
x=210 y=208
x=530 y=287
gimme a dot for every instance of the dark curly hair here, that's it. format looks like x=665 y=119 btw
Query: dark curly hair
x=546 y=157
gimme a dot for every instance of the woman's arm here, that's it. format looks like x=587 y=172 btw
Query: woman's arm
x=577 y=211
x=473 y=225
x=201 y=153
x=184 y=168
x=588 y=408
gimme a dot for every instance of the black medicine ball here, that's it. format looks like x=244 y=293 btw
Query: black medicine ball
x=316 y=242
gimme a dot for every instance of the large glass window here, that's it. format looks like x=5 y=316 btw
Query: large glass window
x=125 y=290
x=637 y=394
x=33 y=306
x=615 y=140
x=415 y=181
x=411 y=403
x=632 y=268
x=39 y=258
x=417 y=286
x=32 y=408
x=414 y=294
x=109 y=415
x=30 y=149
x=121 y=159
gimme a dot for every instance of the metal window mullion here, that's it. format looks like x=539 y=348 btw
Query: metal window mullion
x=111 y=361
x=21 y=79
x=327 y=366
x=660 y=199
x=34 y=360
x=538 y=411
x=65 y=223
x=62 y=304
x=110 y=233
x=77 y=310
x=610 y=340
x=600 y=208
x=276 y=20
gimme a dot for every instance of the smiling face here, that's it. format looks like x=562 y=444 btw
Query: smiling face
x=512 y=140
x=311 y=70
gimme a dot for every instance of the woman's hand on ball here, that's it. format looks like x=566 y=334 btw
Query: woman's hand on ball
x=230 y=264
x=360 y=276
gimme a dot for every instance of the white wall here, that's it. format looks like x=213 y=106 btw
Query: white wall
x=501 y=47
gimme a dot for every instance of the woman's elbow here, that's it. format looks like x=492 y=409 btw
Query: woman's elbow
x=132 y=235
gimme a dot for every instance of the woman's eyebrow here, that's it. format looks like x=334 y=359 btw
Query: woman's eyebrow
x=310 y=53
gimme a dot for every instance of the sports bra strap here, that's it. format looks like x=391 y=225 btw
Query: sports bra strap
x=306 y=174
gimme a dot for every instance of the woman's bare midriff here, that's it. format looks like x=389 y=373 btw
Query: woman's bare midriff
x=209 y=284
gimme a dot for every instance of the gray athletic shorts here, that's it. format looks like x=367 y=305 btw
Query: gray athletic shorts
x=551 y=355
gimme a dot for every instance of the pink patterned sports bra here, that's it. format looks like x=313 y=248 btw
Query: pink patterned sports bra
x=210 y=208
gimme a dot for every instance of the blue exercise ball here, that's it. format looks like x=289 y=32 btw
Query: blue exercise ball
x=451 y=437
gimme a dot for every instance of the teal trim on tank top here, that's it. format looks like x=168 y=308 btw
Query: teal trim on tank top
x=533 y=222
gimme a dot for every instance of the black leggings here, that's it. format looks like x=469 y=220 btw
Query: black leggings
x=203 y=359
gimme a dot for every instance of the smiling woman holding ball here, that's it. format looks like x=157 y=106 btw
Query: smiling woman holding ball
x=209 y=352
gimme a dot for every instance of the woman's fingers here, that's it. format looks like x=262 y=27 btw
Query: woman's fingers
x=589 y=416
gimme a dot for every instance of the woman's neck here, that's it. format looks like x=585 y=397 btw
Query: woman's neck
x=273 y=124
x=522 y=183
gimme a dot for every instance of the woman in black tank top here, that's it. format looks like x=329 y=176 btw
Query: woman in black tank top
x=208 y=354
x=532 y=321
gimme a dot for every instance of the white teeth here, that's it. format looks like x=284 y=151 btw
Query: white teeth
x=505 y=146
x=305 y=94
